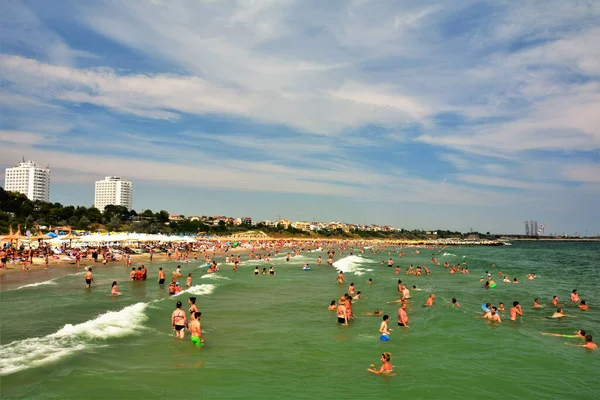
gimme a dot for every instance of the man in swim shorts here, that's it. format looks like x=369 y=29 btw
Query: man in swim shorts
x=196 y=329
x=403 y=316
x=88 y=278
x=161 y=276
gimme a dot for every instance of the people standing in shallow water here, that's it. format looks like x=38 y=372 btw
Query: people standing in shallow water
x=196 y=329
x=89 y=278
x=114 y=290
x=386 y=367
x=429 y=301
x=332 y=306
x=536 y=303
x=161 y=276
x=383 y=328
x=179 y=321
x=342 y=313
x=403 y=316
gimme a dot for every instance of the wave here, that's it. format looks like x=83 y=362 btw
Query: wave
x=33 y=352
x=214 y=276
x=351 y=264
x=50 y=282
x=199 y=290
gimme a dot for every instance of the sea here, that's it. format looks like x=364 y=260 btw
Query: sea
x=273 y=337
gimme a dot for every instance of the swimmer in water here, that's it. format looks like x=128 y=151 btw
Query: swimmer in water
x=515 y=310
x=536 y=303
x=501 y=307
x=340 y=278
x=429 y=301
x=575 y=297
x=582 y=306
x=455 y=303
x=351 y=289
x=386 y=368
x=332 y=306
x=358 y=296
x=375 y=313
x=114 y=290
x=506 y=279
x=493 y=315
x=555 y=301
x=588 y=343
x=370 y=281
x=558 y=314
x=515 y=281
x=580 y=334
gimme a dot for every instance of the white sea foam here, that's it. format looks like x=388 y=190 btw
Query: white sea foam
x=449 y=255
x=33 y=352
x=214 y=276
x=351 y=264
x=50 y=282
x=199 y=290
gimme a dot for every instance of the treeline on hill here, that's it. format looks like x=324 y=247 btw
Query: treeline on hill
x=16 y=208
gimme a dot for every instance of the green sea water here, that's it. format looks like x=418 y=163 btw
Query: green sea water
x=272 y=337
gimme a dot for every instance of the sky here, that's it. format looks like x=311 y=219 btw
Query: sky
x=418 y=114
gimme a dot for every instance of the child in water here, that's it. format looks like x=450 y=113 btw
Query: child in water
x=114 y=290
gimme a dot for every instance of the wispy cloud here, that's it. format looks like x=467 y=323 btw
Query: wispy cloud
x=430 y=102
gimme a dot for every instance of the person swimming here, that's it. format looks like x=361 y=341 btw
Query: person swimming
x=386 y=367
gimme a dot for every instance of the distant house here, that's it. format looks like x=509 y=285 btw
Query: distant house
x=285 y=223
x=247 y=221
x=195 y=218
x=302 y=225
x=176 y=218
x=472 y=237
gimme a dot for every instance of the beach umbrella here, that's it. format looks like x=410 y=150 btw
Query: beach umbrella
x=70 y=237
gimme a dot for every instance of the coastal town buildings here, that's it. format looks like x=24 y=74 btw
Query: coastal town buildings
x=29 y=179
x=113 y=190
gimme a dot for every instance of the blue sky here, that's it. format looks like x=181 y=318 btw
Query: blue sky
x=452 y=115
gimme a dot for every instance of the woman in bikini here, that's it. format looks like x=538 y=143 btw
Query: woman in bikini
x=179 y=321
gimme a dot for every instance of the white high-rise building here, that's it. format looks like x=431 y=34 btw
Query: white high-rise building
x=30 y=179
x=113 y=190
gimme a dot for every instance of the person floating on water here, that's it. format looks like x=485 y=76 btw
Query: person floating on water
x=375 y=313
x=558 y=314
x=580 y=334
x=589 y=344
x=386 y=368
